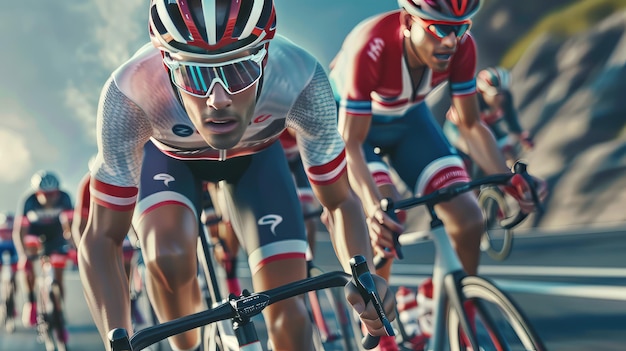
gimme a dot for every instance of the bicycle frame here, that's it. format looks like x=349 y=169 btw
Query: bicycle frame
x=227 y=333
x=447 y=274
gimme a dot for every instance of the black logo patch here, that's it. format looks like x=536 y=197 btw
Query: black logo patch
x=182 y=130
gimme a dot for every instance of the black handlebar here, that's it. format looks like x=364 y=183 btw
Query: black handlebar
x=448 y=193
x=251 y=304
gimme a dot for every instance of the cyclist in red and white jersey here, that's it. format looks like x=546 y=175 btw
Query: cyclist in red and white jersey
x=43 y=219
x=386 y=67
x=207 y=101
x=498 y=112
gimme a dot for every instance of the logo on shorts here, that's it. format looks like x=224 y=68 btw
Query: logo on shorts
x=166 y=178
x=272 y=220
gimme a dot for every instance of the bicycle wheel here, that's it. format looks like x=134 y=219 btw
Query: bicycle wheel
x=494 y=207
x=57 y=321
x=332 y=318
x=7 y=309
x=499 y=324
x=45 y=331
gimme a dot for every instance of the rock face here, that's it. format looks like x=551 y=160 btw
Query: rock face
x=570 y=94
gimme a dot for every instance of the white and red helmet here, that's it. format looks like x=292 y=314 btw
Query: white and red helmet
x=493 y=80
x=192 y=27
x=441 y=10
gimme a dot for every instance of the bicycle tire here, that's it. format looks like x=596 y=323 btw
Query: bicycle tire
x=493 y=205
x=499 y=323
x=336 y=315
x=58 y=319
x=7 y=309
x=45 y=317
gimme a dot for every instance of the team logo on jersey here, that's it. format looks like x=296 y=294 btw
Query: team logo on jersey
x=375 y=48
x=272 y=220
x=182 y=130
x=165 y=178
x=262 y=118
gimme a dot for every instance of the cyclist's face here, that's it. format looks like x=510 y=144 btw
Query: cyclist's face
x=434 y=52
x=47 y=197
x=221 y=118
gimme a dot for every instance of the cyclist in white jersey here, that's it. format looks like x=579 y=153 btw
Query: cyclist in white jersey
x=206 y=101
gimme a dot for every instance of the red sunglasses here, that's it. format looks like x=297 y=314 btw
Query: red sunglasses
x=441 y=29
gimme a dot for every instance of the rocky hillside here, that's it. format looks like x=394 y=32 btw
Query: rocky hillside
x=570 y=93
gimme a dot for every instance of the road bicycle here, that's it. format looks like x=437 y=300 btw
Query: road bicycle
x=7 y=305
x=470 y=312
x=240 y=310
x=51 y=326
x=497 y=240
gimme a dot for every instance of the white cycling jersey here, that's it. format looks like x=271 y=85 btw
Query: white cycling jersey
x=139 y=103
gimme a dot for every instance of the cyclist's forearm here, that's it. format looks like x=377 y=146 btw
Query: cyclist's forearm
x=484 y=149
x=18 y=240
x=104 y=284
x=349 y=235
x=361 y=180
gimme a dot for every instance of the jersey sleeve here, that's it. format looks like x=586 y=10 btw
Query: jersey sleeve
x=314 y=118
x=463 y=71
x=356 y=70
x=122 y=128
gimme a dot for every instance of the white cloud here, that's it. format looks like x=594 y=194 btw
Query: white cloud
x=84 y=104
x=15 y=156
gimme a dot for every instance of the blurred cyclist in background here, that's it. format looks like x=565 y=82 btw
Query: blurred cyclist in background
x=497 y=111
x=43 y=221
x=7 y=295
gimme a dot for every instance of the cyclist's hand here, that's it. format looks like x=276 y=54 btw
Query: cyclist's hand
x=382 y=228
x=520 y=190
x=367 y=313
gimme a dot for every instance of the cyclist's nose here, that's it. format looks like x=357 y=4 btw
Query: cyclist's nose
x=219 y=97
x=449 y=40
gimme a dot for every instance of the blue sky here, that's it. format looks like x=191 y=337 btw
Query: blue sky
x=57 y=55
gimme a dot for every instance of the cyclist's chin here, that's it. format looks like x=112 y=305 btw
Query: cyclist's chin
x=224 y=141
x=439 y=66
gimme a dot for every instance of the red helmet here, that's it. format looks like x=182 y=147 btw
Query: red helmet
x=441 y=10
x=192 y=27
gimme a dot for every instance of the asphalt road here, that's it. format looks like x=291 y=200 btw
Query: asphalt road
x=571 y=285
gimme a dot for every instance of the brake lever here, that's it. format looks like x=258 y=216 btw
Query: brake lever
x=386 y=205
x=362 y=279
x=522 y=169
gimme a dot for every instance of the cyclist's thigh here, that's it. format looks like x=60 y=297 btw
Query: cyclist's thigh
x=423 y=157
x=265 y=210
x=167 y=209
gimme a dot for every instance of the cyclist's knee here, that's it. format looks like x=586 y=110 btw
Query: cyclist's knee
x=290 y=319
x=463 y=219
x=171 y=268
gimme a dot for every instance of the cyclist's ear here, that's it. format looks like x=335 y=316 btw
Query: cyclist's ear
x=405 y=19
